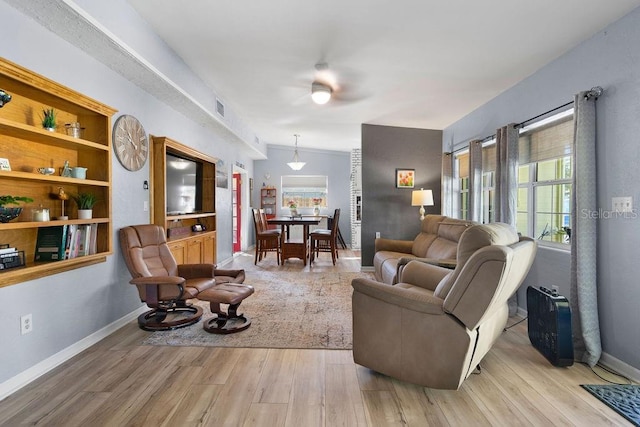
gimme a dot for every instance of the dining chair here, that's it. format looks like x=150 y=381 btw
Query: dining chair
x=266 y=240
x=325 y=240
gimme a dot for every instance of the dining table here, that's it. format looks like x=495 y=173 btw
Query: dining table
x=294 y=248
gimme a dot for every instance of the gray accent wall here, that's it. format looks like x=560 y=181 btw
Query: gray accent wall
x=385 y=208
x=610 y=59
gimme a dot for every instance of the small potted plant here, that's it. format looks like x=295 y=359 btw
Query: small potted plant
x=85 y=202
x=293 y=207
x=49 y=119
x=8 y=214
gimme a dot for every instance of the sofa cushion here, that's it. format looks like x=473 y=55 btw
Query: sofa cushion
x=437 y=240
x=428 y=233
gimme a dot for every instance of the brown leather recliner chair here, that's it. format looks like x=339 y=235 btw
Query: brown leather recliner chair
x=435 y=326
x=162 y=284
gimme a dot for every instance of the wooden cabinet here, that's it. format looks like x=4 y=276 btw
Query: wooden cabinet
x=209 y=249
x=28 y=147
x=187 y=246
x=178 y=250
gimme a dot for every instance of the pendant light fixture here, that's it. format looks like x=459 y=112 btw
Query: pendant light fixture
x=296 y=164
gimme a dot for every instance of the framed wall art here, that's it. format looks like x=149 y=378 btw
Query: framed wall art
x=405 y=178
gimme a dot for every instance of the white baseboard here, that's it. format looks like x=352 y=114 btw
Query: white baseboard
x=619 y=366
x=367 y=269
x=522 y=312
x=22 y=379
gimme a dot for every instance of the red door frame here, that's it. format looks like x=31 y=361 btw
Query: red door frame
x=237 y=185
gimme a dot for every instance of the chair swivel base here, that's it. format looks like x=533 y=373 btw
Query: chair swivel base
x=226 y=293
x=224 y=324
x=156 y=319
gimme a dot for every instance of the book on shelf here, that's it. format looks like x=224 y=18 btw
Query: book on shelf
x=7 y=250
x=81 y=240
x=51 y=243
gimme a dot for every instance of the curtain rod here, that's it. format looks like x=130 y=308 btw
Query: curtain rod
x=521 y=124
x=594 y=92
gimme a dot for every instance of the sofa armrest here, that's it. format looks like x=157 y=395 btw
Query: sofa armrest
x=392 y=245
x=412 y=298
x=424 y=275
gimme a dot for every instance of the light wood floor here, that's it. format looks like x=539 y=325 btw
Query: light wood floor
x=119 y=382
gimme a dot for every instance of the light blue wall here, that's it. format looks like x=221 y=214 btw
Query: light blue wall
x=70 y=306
x=334 y=164
x=610 y=59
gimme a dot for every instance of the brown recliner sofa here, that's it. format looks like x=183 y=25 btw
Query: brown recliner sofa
x=435 y=326
x=436 y=243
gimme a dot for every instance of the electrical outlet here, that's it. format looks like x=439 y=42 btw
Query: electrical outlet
x=145 y=206
x=26 y=324
x=622 y=204
x=377 y=234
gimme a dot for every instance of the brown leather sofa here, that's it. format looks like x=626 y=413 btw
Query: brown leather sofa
x=436 y=243
x=434 y=327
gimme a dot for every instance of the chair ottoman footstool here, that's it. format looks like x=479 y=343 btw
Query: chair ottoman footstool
x=226 y=293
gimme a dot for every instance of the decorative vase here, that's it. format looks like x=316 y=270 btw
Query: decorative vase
x=9 y=214
x=294 y=212
x=50 y=129
x=316 y=211
x=85 y=213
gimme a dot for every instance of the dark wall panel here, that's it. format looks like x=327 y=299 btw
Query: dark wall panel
x=388 y=209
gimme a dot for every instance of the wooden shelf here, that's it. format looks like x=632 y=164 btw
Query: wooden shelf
x=33 y=270
x=42 y=136
x=31 y=176
x=28 y=147
x=190 y=216
x=33 y=224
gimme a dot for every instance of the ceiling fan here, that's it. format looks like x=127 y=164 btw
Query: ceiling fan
x=328 y=85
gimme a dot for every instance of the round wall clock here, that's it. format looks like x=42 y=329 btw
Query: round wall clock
x=130 y=142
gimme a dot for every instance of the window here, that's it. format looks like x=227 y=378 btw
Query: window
x=302 y=190
x=544 y=179
x=461 y=171
x=488 y=181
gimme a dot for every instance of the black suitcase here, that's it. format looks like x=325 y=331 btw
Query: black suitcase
x=549 y=324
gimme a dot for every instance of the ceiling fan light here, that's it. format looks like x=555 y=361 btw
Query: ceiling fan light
x=320 y=93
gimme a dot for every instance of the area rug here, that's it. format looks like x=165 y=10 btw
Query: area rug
x=624 y=399
x=288 y=310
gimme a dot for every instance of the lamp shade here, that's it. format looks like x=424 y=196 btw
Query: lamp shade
x=320 y=93
x=422 y=198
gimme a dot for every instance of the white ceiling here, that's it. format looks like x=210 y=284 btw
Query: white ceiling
x=411 y=63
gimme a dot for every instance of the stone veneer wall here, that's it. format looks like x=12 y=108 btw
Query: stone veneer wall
x=356 y=197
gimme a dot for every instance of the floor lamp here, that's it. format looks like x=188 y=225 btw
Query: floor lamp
x=422 y=198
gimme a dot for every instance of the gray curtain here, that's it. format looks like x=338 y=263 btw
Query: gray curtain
x=475 y=180
x=506 y=202
x=447 y=184
x=584 y=292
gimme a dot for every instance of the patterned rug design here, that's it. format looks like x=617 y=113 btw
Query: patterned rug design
x=288 y=310
x=624 y=399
